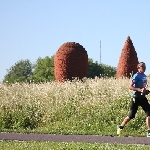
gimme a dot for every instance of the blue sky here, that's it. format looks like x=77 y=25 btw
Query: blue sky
x=30 y=29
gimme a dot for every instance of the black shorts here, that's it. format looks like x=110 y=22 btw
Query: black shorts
x=135 y=103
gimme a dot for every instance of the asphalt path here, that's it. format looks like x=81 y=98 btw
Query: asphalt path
x=73 y=138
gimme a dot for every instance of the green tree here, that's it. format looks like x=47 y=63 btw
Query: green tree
x=43 y=70
x=99 y=70
x=108 y=70
x=19 y=72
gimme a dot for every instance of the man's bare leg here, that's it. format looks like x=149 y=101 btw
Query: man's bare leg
x=127 y=119
x=148 y=122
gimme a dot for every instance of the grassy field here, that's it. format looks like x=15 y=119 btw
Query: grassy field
x=68 y=146
x=94 y=106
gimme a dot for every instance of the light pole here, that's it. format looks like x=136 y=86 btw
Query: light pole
x=100 y=52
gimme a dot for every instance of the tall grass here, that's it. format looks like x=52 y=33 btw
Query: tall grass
x=93 y=106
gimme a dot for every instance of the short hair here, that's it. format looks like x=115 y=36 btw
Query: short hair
x=140 y=63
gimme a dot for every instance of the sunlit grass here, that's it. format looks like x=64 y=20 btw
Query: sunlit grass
x=68 y=146
x=94 y=106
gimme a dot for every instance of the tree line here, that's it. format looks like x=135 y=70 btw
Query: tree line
x=43 y=70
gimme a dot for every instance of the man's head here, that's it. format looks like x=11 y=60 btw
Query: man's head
x=141 y=67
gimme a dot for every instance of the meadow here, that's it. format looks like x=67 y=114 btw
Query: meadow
x=68 y=146
x=93 y=106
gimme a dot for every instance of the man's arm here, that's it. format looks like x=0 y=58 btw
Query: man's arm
x=131 y=87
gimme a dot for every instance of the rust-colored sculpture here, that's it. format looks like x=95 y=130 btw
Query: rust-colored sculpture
x=71 y=60
x=128 y=61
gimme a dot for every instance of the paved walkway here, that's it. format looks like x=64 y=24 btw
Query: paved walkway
x=73 y=138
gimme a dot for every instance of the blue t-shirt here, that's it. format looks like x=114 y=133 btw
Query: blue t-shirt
x=139 y=80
